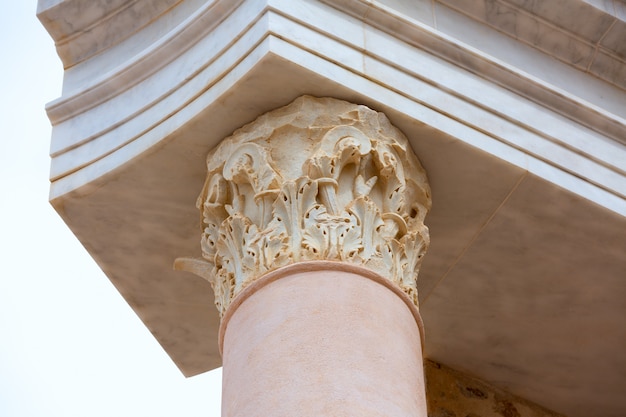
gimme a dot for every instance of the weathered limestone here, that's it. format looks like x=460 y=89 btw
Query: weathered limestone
x=451 y=393
x=319 y=179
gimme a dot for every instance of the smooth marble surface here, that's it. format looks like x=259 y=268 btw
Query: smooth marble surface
x=526 y=165
x=585 y=19
x=541 y=291
x=615 y=39
x=421 y=10
x=63 y=18
x=83 y=29
x=99 y=69
x=460 y=176
x=573 y=31
x=607 y=6
x=529 y=28
x=132 y=116
x=467 y=94
x=524 y=57
x=608 y=66
x=130 y=113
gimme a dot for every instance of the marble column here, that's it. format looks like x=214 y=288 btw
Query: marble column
x=312 y=239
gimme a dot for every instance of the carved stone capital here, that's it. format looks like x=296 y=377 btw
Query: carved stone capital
x=319 y=179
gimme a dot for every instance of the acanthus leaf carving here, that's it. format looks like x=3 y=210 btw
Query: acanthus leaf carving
x=322 y=180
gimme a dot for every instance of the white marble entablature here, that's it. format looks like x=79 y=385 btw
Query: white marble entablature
x=318 y=179
x=118 y=124
x=586 y=35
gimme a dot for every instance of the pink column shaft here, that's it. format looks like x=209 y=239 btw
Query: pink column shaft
x=310 y=342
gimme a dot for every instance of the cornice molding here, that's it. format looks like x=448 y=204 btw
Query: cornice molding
x=82 y=29
x=485 y=102
x=155 y=57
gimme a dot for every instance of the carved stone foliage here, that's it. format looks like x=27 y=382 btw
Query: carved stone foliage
x=319 y=179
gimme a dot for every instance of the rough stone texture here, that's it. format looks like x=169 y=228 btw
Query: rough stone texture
x=318 y=179
x=451 y=393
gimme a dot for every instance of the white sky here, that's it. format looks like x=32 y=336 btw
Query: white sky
x=69 y=343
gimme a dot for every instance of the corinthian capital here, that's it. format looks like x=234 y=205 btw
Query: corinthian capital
x=319 y=179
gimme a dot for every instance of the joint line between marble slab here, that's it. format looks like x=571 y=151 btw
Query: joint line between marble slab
x=598 y=46
x=476 y=235
x=433 y=13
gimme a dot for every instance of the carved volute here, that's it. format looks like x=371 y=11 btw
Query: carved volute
x=319 y=179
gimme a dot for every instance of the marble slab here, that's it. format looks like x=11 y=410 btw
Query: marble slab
x=607 y=66
x=541 y=294
x=573 y=31
x=83 y=29
x=615 y=39
x=585 y=19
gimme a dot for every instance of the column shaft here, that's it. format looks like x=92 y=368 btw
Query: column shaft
x=322 y=342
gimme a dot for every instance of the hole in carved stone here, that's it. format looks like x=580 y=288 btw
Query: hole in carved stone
x=413 y=213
